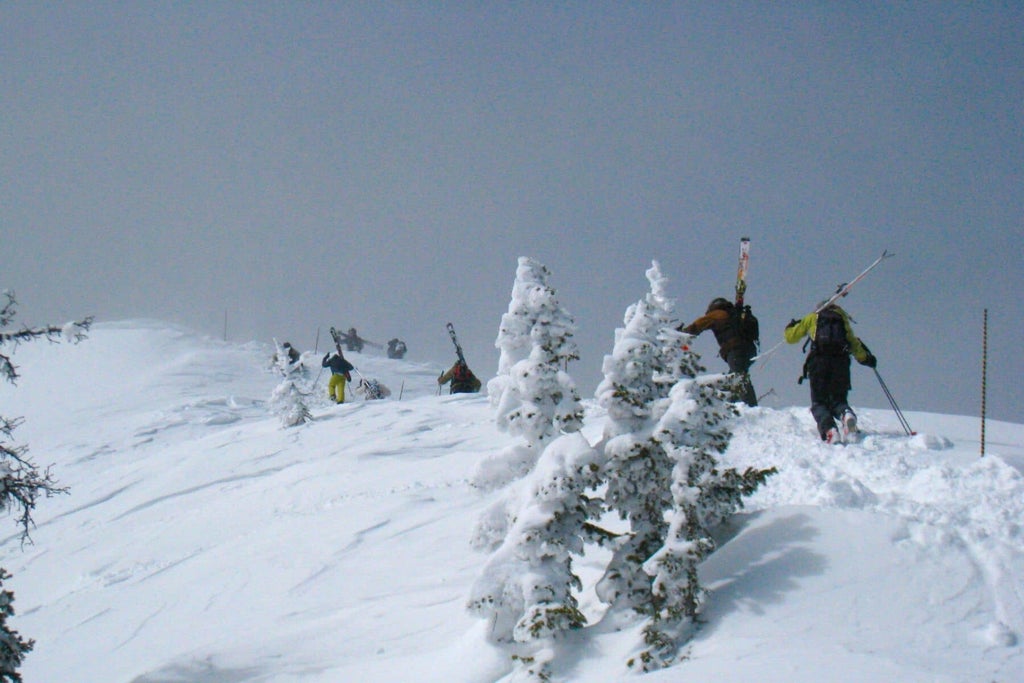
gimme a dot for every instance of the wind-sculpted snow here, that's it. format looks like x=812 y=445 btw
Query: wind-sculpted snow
x=201 y=541
x=944 y=501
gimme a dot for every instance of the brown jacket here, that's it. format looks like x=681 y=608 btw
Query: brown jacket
x=716 y=320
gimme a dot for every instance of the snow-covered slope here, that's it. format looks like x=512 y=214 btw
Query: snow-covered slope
x=202 y=542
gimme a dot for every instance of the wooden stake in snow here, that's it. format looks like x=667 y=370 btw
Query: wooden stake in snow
x=984 y=371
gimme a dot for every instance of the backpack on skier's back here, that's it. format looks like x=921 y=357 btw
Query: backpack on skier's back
x=830 y=333
x=745 y=323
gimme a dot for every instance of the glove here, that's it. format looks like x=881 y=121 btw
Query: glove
x=870 y=361
x=792 y=321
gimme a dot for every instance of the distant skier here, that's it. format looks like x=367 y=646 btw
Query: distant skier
x=396 y=348
x=736 y=331
x=352 y=340
x=341 y=371
x=828 y=367
x=462 y=378
x=293 y=355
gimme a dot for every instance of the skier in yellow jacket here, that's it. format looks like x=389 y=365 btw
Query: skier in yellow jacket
x=828 y=367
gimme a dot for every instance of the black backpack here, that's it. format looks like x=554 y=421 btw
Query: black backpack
x=745 y=324
x=830 y=334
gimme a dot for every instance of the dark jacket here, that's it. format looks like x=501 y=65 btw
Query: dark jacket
x=728 y=337
x=338 y=365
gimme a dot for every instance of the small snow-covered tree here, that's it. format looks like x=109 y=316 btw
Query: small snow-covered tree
x=21 y=482
x=288 y=403
x=693 y=430
x=526 y=589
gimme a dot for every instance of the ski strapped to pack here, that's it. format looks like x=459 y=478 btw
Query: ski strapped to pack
x=455 y=340
x=841 y=291
x=741 y=271
x=746 y=325
x=844 y=288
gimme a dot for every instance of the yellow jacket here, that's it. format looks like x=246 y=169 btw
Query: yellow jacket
x=806 y=327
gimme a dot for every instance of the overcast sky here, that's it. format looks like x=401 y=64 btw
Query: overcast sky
x=289 y=166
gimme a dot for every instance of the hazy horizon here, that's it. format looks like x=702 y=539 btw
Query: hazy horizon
x=382 y=166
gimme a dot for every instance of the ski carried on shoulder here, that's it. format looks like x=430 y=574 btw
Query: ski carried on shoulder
x=844 y=288
x=741 y=271
x=455 y=340
x=841 y=291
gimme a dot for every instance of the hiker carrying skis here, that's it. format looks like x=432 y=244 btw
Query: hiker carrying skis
x=462 y=378
x=352 y=340
x=736 y=333
x=341 y=371
x=828 y=366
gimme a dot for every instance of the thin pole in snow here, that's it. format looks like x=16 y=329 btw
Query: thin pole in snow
x=984 y=372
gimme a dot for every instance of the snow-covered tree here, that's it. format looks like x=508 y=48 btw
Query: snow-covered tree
x=21 y=482
x=650 y=355
x=534 y=397
x=527 y=588
x=654 y=468
x=288 y=403
x=533 y=394
x=693 y=430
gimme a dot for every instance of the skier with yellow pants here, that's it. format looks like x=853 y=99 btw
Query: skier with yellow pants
x=341 y=371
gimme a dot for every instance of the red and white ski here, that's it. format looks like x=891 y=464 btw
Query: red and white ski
x=741 y=271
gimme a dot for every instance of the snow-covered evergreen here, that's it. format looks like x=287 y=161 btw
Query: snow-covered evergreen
x=534 y=397
x=527 y=590
x=695 y=428
x=650 y=355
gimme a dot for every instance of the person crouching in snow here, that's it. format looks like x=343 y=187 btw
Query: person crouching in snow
x=462 y=378
x=371 y=389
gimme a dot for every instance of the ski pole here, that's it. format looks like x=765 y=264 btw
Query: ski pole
x=895 y=408
x=766 y=355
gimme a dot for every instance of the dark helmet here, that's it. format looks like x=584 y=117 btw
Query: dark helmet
x=287 y=345
x=719 y=304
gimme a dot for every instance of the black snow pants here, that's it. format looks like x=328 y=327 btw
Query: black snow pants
x=830 y=383
x=739 y=360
